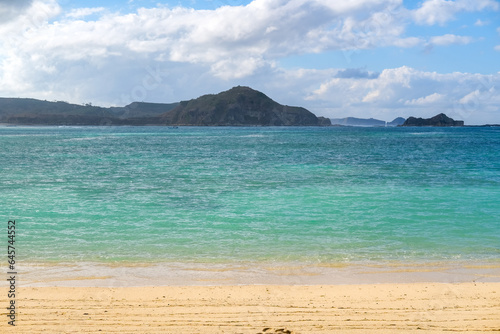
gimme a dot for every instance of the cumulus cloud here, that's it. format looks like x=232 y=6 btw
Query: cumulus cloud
x=356 y=73
x=233 y=41
x=83 y=12
x=450 y=39
x=408 y=42
x=441 y=11
x=481 y=23
x=230 y=42
x=405 y=91
x=223 y=38
x=426 y=100
x=17 y=17
x=11 y=9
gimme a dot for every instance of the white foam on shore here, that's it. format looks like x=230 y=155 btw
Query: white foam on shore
x=195 y=274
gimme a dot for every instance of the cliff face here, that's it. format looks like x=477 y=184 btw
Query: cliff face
x=239 y=106
x=438 y=120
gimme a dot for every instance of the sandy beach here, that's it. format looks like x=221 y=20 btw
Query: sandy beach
x=366 y=308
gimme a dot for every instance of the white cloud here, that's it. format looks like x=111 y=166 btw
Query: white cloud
x=83 y=12
x=441 y=11
x=408 y=42
x=10 y=9
x=230 y=42
x=29 y=17
x=471 y=97
x=373 y=96
x=481 y=23
x=426 y=100
x=274 y=28
x=450 y=39
x=408 y=92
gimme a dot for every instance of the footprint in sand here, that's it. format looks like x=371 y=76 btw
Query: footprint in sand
x=279 y=330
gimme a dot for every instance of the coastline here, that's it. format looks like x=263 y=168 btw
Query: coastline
x=133 y=274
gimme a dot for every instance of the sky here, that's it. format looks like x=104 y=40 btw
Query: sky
x=337 y=58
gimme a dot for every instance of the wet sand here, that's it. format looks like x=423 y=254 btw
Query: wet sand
x=249 y=273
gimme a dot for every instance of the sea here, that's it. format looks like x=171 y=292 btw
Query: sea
x=215 y=196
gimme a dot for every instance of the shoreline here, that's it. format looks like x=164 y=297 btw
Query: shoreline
x=251 y=273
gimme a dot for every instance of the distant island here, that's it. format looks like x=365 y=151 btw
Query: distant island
x=438 y=120
x=239 y=106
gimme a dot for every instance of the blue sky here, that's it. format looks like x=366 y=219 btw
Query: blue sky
x=362 y=58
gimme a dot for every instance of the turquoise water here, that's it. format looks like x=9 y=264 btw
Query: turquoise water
x=153 y=194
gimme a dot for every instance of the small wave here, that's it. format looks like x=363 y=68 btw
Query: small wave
x=83 y=138
x=426 y=133
x=254 y=136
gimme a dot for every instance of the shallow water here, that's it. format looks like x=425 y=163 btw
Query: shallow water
x=226 y=195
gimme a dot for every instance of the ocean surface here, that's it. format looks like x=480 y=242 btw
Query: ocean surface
x=230 y=195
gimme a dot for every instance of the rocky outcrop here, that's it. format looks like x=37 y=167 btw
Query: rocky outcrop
x=438 y=120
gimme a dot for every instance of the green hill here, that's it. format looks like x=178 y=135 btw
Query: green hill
x=239 y=106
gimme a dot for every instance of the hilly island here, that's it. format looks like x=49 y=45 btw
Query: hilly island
x=239 y=106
